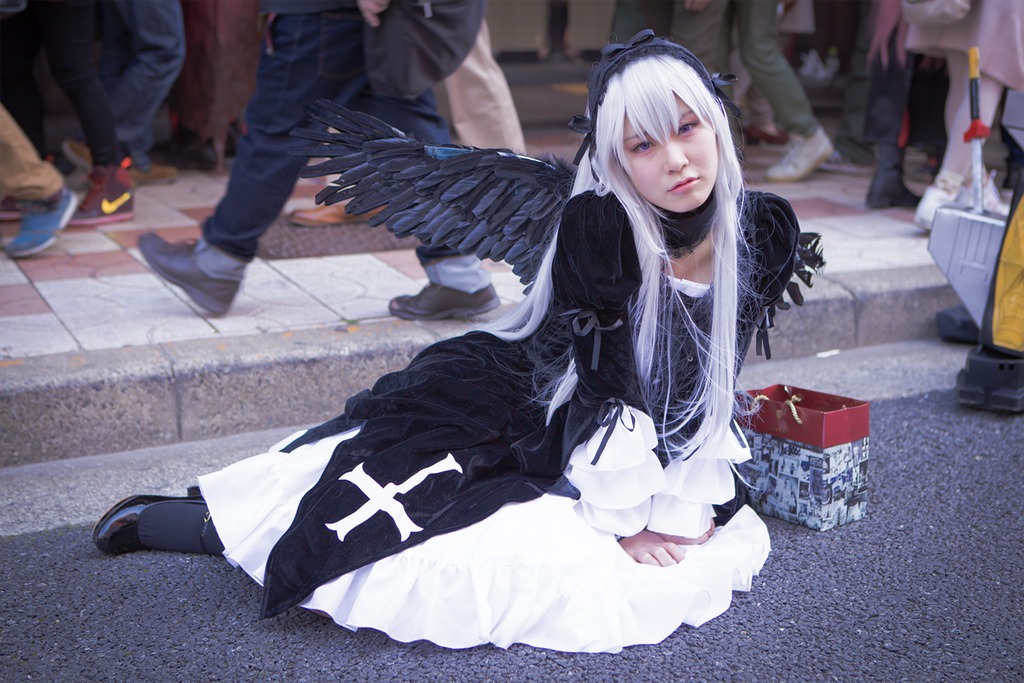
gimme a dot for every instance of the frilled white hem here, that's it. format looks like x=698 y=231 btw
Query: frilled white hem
x=534 y=572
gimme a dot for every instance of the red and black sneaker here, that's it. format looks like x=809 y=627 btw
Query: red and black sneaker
x=110 y=198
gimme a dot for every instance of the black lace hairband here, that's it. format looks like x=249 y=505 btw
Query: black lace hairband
x=615 y=57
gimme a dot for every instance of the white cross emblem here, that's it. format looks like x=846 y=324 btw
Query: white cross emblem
x=382 y=498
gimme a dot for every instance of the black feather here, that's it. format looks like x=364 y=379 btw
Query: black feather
x=460 y=188
x=487 y=202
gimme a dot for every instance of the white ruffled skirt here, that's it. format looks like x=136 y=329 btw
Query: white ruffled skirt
x=537 y=572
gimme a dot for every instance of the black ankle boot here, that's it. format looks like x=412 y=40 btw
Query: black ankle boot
x=157 y=523
x=117 y=532
x=887 y=188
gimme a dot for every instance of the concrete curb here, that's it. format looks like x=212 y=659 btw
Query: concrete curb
x=70 y=405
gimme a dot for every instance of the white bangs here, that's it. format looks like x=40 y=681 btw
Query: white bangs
x=654 y=84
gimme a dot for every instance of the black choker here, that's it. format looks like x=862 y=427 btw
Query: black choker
x=684 y=231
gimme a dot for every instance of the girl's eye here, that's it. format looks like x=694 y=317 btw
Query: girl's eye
x=687 y=127
x=642 y=146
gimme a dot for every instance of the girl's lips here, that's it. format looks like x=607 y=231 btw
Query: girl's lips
x=683 y=185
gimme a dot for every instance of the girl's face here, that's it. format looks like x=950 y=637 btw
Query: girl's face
x=678 y=174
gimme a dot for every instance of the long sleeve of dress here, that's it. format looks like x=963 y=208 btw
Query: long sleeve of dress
x=596 y=274
x=611 y=440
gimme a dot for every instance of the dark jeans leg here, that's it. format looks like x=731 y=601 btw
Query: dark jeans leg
x=265 y=169
x=418 y=118
x=314 y=56
x=428 y=254
x=143 y=50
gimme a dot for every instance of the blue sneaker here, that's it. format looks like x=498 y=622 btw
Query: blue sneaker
x=40 y=223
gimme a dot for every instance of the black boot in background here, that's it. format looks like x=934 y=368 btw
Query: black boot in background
x=887 y=188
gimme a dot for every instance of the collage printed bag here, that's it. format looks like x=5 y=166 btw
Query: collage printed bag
x=809 y=459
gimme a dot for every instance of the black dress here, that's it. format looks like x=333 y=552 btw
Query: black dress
x=443 y=505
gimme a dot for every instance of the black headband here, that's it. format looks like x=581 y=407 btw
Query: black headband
x=615 y=57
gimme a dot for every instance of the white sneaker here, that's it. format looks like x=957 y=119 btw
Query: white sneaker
x=933 y=197
x=991 y=201
x=803 y=157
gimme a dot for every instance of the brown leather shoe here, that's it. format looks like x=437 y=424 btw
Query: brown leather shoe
x=158 y=174
x=435 y=302
x=329 y=214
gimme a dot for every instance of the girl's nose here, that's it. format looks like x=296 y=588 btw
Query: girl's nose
x=675 y=157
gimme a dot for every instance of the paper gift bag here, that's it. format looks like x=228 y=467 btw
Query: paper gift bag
x=809 y=456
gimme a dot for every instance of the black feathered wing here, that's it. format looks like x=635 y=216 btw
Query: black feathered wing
x=485 y=202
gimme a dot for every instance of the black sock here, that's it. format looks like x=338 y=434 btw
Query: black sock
x=182 y=525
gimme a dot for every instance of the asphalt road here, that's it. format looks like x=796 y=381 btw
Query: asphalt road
x=925 y=588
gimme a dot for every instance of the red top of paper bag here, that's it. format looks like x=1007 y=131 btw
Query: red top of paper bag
x=821 y=420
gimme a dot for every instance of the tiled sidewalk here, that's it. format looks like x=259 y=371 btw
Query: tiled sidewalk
x=92 y=291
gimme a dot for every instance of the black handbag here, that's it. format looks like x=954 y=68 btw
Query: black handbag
x=419 y=43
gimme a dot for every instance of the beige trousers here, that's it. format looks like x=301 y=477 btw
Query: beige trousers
x=23 y=175
x=483 y=112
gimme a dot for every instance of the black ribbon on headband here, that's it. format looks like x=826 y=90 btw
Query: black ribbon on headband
x=585 y=127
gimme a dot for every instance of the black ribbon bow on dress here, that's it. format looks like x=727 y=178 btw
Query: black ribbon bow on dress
x=613 y=412
x=585 y=322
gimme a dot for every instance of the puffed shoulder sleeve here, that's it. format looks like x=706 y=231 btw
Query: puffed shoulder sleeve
x=773 y=232
x=782 y=255
x=596 y=265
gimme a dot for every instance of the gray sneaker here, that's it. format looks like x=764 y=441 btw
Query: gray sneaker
x=209 y=276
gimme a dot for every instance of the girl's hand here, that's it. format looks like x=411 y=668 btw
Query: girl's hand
x=682 y=540
x=648 y=547
x=660 y=550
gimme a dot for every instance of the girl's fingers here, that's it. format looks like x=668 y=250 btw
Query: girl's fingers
x=648 y=558
x=675 y=552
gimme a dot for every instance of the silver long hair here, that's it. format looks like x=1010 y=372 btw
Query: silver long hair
x=645 y=93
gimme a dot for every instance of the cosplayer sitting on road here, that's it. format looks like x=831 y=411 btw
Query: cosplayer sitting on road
x=564 y=476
